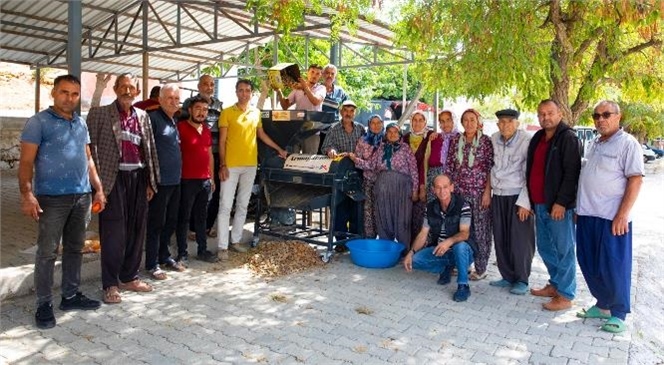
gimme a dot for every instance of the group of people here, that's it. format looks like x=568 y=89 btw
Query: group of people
x=443 y=195
x=447 y=195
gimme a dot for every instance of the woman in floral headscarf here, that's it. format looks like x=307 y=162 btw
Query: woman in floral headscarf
x=418 y=140
x=365 y=149
x=469 y=162
x=396 y=185
x=440 y=146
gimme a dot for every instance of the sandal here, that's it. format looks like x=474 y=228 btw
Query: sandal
x=174 y=266
x=592 y=312
x=136 y=285
x=474 y=276
x=614 y=325
x=191 y=236
x=112 y=295
x=212 y=233
x=158 y=274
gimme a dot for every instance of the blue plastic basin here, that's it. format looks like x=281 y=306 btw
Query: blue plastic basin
x=375 y=254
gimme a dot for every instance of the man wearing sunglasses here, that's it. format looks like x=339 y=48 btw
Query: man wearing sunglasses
x=608 y=187
x=552 y=173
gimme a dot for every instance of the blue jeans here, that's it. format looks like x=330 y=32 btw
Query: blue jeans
x=555 y=243
x=461 y=256
x=65 y=217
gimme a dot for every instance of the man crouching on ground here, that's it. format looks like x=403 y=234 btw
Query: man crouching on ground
x=448 y=218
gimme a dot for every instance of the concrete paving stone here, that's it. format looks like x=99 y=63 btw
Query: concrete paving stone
x=565 y=352
x=618 y=355
x=68 y=358
x=512 y=354
x=481 y=357
x=539 y=359
x=299 y=353
x=30 y=359
x=602 y=351
x=485 y=347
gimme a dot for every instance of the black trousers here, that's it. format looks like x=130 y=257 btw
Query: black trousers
x=122 y=227
x=193 y=202
x=162 y=220
x=213 y=204
x=514 y=239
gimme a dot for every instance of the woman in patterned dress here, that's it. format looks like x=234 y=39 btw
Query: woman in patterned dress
x=396 y=186
x=365 y=149
x=440 y=146
x=418 y=139
x=469 y=164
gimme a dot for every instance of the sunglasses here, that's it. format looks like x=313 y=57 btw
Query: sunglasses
x=604 y=115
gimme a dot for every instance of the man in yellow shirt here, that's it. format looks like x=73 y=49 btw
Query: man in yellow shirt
x=239 y=125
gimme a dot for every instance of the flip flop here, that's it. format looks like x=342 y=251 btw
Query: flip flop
x=592 y=312
x=158 y=274
x=614 y=325
x=136 y=285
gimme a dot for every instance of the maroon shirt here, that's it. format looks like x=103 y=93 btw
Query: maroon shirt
x=195 y=149
x=536 y=178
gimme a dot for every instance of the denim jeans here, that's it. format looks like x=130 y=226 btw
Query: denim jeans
x=66 y=217
x=242 y=180
x=193 y=202
x=162 y=220
x=461 y=256
x=556 y=243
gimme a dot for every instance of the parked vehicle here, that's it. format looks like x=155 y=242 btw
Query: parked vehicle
x=585 y=135
x=648 y=154
x=658 y=152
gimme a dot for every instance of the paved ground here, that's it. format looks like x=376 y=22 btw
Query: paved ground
x=338 y=314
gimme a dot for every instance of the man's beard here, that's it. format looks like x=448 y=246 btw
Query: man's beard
x=197 y=121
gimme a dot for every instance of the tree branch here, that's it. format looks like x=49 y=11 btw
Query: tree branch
x=587 y=43
x=653 y=42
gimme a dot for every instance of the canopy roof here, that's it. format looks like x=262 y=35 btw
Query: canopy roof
x=179 y=36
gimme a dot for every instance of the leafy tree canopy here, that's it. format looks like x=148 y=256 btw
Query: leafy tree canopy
x=530 y=50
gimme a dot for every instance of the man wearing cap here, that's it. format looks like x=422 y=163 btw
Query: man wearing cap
x=513 y=224
x=342 y=139
x=608 y=187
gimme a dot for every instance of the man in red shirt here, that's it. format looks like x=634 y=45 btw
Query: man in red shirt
x=197 y=182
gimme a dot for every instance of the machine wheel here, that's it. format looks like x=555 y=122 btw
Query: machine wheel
x=326 y=256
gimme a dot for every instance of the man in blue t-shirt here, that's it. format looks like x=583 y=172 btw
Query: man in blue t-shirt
x=55 y=172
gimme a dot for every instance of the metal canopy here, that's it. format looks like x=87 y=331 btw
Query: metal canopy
x=179 y=36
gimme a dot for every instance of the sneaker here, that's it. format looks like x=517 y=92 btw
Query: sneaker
x=207 y=256
x=462 y=294
x=222 y=254
x=502 y=283
x=445 y=276
x=238 y=247
x=79 y=301
x=44 y=317
x=519 y=288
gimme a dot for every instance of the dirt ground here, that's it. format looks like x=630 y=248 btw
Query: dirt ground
x=17 y=88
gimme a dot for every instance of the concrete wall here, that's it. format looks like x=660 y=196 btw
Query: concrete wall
x=10 y=134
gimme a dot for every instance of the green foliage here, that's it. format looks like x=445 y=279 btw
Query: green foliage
x=643 y=121
x=565 y=49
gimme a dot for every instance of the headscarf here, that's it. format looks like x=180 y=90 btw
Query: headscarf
x=371 y=138
x=447 y=137
x=475 y=142
x=390 y=148
x=424 y=131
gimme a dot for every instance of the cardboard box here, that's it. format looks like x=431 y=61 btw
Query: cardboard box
x=283 y=75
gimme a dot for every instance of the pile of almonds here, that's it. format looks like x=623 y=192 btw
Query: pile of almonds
x=279 y=258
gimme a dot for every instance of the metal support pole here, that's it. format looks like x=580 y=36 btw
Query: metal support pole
x=74 y=37
x=146 y=74
x=146 y=55
x=436 y=108
x=404 y=91
x=275 y=60
x=37 y=88
x=334 y=53
x=306 y=52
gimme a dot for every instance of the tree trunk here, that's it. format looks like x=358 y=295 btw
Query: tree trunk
x=411 y=106
x=560 y=56
x=100 y=85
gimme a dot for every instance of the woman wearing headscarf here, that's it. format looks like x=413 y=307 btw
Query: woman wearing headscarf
x=396 y=186
x=469 y=163
x=365 y=149
x=440 y=146
x=417 y=139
